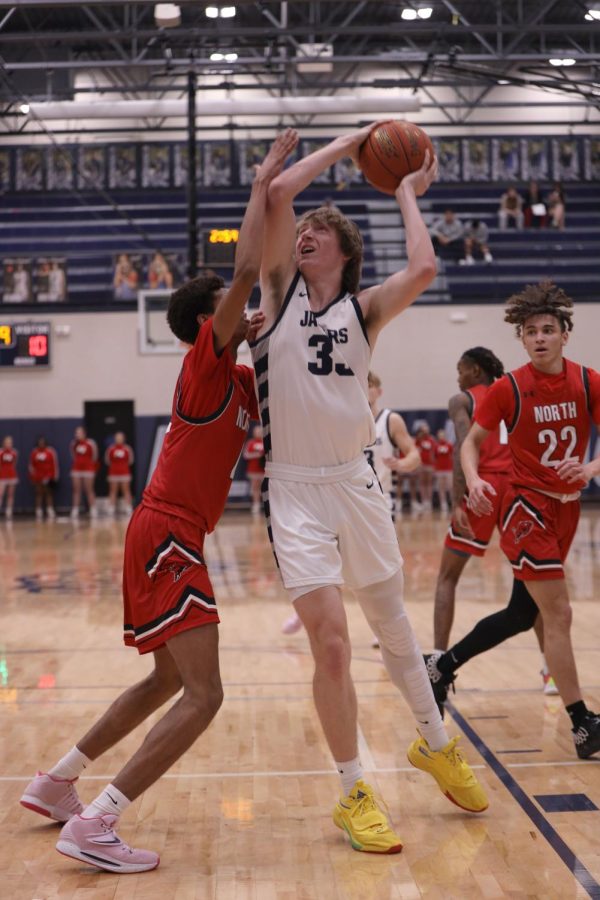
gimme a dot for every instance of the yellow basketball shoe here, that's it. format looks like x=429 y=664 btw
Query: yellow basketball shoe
x=365 y=823
x=452 y=772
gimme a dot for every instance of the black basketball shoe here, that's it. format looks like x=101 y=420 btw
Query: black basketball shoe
x=587 y=736
x=439 y=682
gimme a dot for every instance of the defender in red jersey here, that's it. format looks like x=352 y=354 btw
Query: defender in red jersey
x=119 y=459
x=8 y=474
x=84 y=455
x=169 y=604
x=43 y=474
x=468 y=535
x=547 y=406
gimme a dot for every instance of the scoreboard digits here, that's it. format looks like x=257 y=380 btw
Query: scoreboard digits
x=25 y=344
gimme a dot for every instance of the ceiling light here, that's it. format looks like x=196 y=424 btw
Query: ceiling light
x=503 y=81
x=216 y=57
x=409 y=14
x=231 y=57
x=167 y=15
x=593 y=14
x=562 y=61
x=424 y=12
x=211 y=12
x=227 y=12
x=24 y=108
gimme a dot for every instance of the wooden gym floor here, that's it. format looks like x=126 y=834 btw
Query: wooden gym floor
x=247 y=812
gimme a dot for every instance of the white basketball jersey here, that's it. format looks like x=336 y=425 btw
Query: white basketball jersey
x=311 y=371
x=382 y=449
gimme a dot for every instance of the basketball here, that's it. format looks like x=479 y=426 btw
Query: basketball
x=393 y=150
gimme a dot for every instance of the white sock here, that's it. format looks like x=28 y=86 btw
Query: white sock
x=110 y=802
x=70 y=766
x=350 y=773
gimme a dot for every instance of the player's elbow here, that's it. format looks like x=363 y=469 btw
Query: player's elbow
x=279 y=192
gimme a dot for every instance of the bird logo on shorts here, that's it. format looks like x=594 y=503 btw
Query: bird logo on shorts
x=521 y=530
x=177 y=569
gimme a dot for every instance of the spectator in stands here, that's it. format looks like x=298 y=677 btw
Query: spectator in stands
x=555 y=201
x=125 y=279
x=511 y=209
x=447 y=236
x=476 y=240
x=534 y=208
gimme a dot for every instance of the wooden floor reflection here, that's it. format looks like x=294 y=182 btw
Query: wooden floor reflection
x=246 y=813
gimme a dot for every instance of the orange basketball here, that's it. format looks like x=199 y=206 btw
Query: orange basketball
x=393 y=150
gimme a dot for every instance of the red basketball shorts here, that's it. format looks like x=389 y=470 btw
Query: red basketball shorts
x=536 y=532
x=482 y=526
x=166 y=588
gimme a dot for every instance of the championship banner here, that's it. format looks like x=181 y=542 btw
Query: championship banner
x=565 y=159
x=345 y=173
x=309 y=146
x=30 y=169
x=156 y=167
x=476 y=160
x=591 y=149
x=122 y=166
x=448 y=155
x=50 y=280
x=92 y=168
x=181 y=166
x=16 y=280
x=60 y=169
x=506 y=159
x=252 y=154
x=534 y=152
x=4 y=170
x=217 y=165
x=163 y=271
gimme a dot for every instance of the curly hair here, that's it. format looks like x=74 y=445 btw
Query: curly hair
x=194 y=298
x=543 y=299
x=351 y=241
x=486 y=360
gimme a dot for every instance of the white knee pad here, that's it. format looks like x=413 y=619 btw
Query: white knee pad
x=383 y=607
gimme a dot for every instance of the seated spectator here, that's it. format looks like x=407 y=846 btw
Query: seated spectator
x=534 y=208
x=555 y=201
x=447 y=236
x=476 y=240
x=511 y=209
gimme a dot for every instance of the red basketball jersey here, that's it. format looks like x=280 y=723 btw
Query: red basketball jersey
x=443 y=456
x=548 y=419
x=43 y=465
x=213 y=404
x=8 y=464
x=84 y=454
x=426 y=445
x=119 y=459
x=494 y=454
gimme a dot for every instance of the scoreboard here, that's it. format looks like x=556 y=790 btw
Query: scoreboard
x=219 y=246
x=24 y=344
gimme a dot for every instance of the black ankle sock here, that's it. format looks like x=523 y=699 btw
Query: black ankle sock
x=578 y=712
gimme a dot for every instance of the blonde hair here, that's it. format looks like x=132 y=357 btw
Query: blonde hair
x=373 y=380
x=351 y=242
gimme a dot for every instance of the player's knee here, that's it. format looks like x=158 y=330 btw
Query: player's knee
x=206 y=698
x=396 y=635
x=167 y=684
x=331 y=651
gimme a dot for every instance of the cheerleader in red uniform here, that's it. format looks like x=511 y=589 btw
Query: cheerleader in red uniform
x=84 y=453
x=423 y=477
x=43 y=473
x=443 y=468
x=119 y=460
x=8 y=474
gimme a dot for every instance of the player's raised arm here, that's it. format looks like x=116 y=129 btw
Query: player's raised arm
x=385 y=301
x=278 y=264
x=250 y=243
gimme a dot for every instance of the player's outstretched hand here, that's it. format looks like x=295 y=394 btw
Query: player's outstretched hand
x=422 y=178
x=478 y=500
x=257 y=320
x=285 y=142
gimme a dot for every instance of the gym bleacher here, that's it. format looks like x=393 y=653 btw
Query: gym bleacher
x=90 y=233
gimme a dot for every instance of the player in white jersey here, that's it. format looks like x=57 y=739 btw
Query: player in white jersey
x=391 y=437
x=328 y=518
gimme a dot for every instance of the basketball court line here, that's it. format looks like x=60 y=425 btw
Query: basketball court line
x=560 y=847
